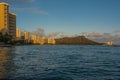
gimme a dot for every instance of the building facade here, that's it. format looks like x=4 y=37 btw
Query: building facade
x=18 y=33
x=110 y=43
x=26 y=35
x=7 y=20
x=51 y=41
x=33 y=39
x=12 y=25
x=4 y=17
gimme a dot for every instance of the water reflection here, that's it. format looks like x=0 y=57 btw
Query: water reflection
x=6 y=63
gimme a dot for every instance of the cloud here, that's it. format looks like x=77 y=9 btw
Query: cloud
x=116 y=31
x=63 y=34
x=94 y=34
x=30 y=10
x=18 y=1
x=107 y=35
x=104 y=37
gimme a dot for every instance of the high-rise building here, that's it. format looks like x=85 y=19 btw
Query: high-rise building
x=12 y=24
x=7 y=20
x=26 y=35
x=18 y=33
x=4 y=17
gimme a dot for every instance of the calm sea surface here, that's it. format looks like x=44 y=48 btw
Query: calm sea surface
x=60 y=63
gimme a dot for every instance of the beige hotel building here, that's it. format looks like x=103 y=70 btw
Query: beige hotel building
x=7 y=20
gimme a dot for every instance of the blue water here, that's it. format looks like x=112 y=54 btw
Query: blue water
x=60 y=63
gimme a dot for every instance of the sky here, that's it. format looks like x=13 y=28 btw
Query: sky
x=97 y=19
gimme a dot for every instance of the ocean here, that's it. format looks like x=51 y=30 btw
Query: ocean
x=60 y=62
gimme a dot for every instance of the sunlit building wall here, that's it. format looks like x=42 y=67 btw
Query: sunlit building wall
x=51 y=41
x=33 y=39
x=38 y=40
x=18 y=33
x=26 y=35
x=7 y=20
x=42 y=41
x=4 y=17
x=110 y=43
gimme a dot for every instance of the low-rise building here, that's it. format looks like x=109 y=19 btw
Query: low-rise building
x=51 y=41
x=110 y=43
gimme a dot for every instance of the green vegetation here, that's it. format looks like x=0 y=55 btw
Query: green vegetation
x=6 y=39
x=79 y=40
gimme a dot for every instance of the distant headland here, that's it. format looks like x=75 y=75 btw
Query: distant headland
x=78 y=40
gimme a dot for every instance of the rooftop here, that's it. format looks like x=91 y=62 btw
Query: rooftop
x=4 y=3
x=12 y=13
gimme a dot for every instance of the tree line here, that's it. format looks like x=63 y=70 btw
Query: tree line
x=6 y=38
